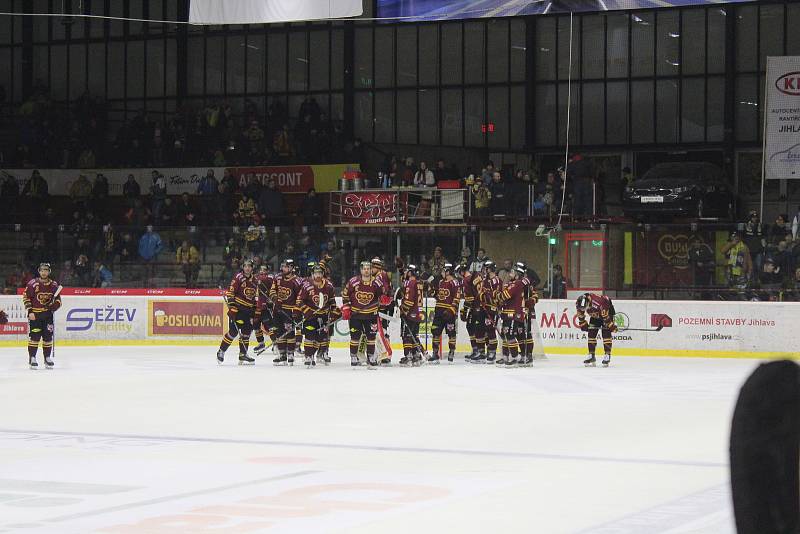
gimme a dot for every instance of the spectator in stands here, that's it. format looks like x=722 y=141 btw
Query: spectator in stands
x=35 y=255
x=282 y=144
x=150 y=246
x=169 y=214
x=9 y=194
x=102 y=275
x=796 y=224
x=559 y=288
x=186 y=211
x=311 y=209
x=66 y=276
x=107 y=248
x=793 y=286
x=18 y=278
x=437 y=261
x=36 y=187
x=82 y=271
x=778 y=230
x=483 y=197
x=487 y=173
x=253 y=188
x=441 y=172
x=271 y=204
x=505 y=270
x=158 y=194
x=233 y=250
x=208 y=189
x=131 y=190
x=86 y=159
x=50 y=224
x=244 y=213
x=739 y=263
x=127 y=249
x=424 y=177
x=254 y=137
x=99 y=191
x=137 y=215
x=477 y=265
x=80 y=191
x=254 y=236
x=406 y=171
x=227 y=188
x=703 y=263
x=497 y=202
x=782 y=258
x=188 y=258
x=753 y=237
x=227 y=274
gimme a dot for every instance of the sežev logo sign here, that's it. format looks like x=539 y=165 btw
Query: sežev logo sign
x=82 y=319
x=789 y=84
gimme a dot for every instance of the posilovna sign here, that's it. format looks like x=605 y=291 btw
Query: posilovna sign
x=782 y=127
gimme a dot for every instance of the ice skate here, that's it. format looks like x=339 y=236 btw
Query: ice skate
x=326 y=359
x=32 y=362
x=280 y=360
x=451 y=356
x=386 y=362
x=290 y=359
x=501 y=361
x=511 y=362
x=434 y=359
x=471 y=356
x=354 y=362
x=405 y=361
x=220 y=356
x=527 y=361
x=490 y=357
x=372 y=363
x=308 y=362
x=590 y=361
x=606 y=360
x=416 y=359
x=48 y=362
x=258 y=349
x=244 y=359
x=479 y=358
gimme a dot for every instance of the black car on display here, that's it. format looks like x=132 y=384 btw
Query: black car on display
x=688 y=188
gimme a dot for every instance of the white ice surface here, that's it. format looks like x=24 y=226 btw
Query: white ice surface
x=162 y=440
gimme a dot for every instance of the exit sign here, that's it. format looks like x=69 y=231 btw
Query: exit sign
x=488 y=127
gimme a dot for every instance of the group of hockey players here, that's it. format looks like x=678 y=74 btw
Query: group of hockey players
x=298 y=314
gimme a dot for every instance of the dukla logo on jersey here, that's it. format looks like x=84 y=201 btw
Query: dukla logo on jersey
x=284 y=293
x=364 y=297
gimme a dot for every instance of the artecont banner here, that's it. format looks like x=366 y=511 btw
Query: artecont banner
x=288 y=178
x=782 y=129
x=645 y=327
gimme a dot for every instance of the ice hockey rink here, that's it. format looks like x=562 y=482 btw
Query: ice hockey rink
x=163 y=440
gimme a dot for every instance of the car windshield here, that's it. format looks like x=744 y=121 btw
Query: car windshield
x=675 y=172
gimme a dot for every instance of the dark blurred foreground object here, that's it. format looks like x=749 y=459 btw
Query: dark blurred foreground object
x=765 y=451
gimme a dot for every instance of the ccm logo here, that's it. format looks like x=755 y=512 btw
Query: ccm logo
x=789 y=84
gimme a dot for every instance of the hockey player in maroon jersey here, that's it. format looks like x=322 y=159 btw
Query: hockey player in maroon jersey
x=531 y=298
x=284 y=295
x=315 y=301
x=448 y=297
x=411 y=295
x=241 y=299
x=380 y=274
x=298 y=316
x=512 y=313
x=263 y=322
x=600 y=312
x=471 y=311
x=489 y=292
x=335 y=314
x=360 y=298
x=42 y=297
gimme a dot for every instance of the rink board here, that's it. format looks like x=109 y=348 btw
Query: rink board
x=197 y=317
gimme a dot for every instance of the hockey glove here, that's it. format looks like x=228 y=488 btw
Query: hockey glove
x=584 y=327
x=385 y=300
x=613 y=327
x=346 y=312
x=464 y=314
x=232 y=311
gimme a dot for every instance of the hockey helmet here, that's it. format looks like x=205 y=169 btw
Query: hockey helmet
x=288 y=262
x=44 y=265
x=448 y=268
x=412 y=269
x=247 y=261
x=377 y=262
x=583 y=302
x=461 y=268
x=521 y=268
x=490 y=266
x=316 y=268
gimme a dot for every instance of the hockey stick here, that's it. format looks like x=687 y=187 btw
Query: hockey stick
x=390 y=318
x=657 y=329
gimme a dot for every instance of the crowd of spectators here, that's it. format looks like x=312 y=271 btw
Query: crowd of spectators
x=79 y=134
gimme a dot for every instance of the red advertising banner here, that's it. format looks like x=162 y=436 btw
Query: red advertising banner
x=370 y=208
x=293 y=179
x=13 y=329
x=182 y=318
